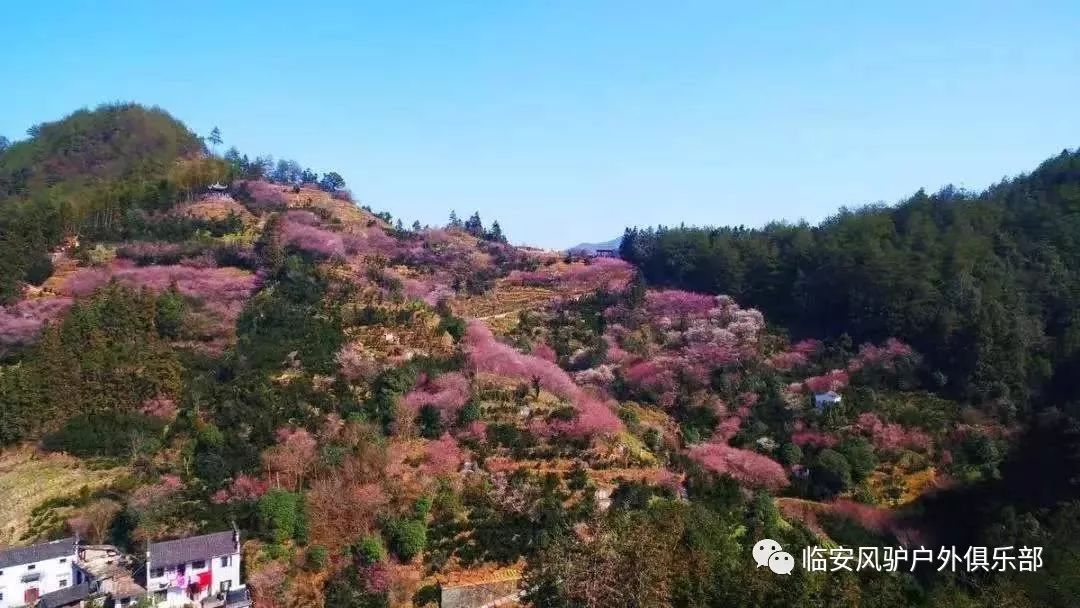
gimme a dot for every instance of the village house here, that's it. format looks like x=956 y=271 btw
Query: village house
x=27 y=573
x=200 y=569
x=77 y=595
x=823 y=401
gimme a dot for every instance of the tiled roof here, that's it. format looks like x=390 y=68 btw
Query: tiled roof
x=195 y=548
x=15 y=556
x=237 y=598
x=65 y=596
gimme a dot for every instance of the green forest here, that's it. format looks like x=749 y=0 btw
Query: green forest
x=984 y=285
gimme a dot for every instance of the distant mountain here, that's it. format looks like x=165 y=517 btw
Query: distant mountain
x=593 y=247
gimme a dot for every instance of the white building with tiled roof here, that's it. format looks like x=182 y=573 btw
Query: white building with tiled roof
x=27 y=573
x=827 y=400
x=193 y=570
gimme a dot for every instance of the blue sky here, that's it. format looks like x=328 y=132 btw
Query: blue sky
x=568 y=120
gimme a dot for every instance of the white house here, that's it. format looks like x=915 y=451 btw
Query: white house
x=826 y=400
x=200 y=569
x=27 y=573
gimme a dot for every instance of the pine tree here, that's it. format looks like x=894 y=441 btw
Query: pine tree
x=474 y=225
x=455 y=222
x=215 y=138
x=496 y=233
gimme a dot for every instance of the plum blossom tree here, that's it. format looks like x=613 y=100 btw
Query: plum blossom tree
x=442 y=456
x=891 y=436
x=727 y=428
x=680 y=341
x=267 y=582
x=746 y=467
x=260 y=195
x=813 y=438
x=488 y=355
x=356 y=363
x=292 y=457
x=677 y=303
x=243 y=488
x=342 y=507
x=476 y=431
x=884 y=356
x=93 y=521
x=21 y=323
x=807 y=347
x=832 y=381
x=219 y=293
x=870 y=517
x=611 y=274
x=312 y=239
x=159 y=406
x=544 y=352
x=786 y=361
x=447 y=393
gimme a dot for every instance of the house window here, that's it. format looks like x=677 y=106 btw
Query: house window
x=63 y=560
x=63 y=582
x=31 y=567
x=225 y=586
x=199 y=565
x=157 y=573
x=226 y=561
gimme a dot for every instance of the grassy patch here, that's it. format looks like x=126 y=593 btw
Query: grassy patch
x=29 y=479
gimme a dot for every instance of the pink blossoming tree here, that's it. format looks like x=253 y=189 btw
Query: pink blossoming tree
x=746 y=467
x=488 y=355
x=447 y=393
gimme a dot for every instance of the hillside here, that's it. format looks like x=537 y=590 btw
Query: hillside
x=113 y=142
x=984 y=284
x=387 y=412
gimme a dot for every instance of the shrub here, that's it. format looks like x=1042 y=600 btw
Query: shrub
x=831 y=473
x=317 y=558
x=455 y=326
x=860 y=454
x=278 y=514
x=39 y=268
x=350 y=589
x=105 y=434
x=790 y=454
x=422 y=507
x=169 y=314
x=408 y=538
x=470 y=413
x=370 y=550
